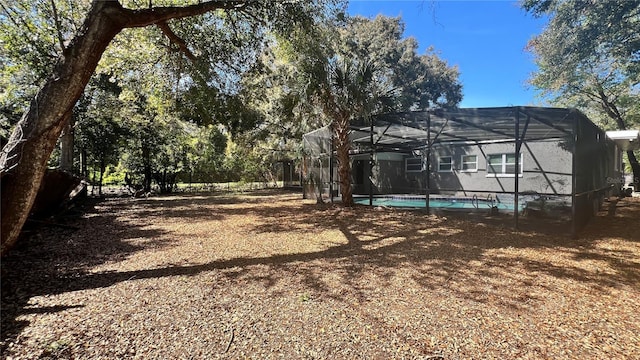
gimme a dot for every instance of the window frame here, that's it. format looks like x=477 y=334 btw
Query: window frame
x=450 y=163
x=504 y=164
x=463 y=162
x=413 y=170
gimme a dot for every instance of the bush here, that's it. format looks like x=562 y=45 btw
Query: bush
x=113 y=175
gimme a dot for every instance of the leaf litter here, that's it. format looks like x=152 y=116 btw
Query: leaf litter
x=269 y=275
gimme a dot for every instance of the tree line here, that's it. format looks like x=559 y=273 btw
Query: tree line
x=221 y=88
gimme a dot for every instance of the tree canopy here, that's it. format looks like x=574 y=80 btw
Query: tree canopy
x=588 y=56
x=71 y=48
x=213 y=89
x=423 y=81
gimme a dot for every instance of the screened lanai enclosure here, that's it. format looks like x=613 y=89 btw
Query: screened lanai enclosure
x=514 y=161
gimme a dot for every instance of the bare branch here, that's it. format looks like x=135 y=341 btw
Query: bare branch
x=610 y=108
x=166 y=30
x=584 y=91
x=56 y=19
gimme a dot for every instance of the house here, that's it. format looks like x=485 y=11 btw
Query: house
x=532 y=158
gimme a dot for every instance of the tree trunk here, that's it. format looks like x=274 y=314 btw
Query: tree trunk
x=83 y=163
x=613 y=112
x=343 y=145
x=101 y=176
x=146 y=164
x=23 y=160
x=66 y=145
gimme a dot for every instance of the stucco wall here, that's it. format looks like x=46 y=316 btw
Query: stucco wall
x=546 y=169
x=546 y=164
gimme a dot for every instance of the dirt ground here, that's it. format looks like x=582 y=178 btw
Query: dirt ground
x=269 y=275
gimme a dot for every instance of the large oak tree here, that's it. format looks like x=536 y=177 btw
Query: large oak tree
x=24 y=158
x=588 y=56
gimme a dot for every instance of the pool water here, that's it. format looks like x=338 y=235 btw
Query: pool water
x=446 y=203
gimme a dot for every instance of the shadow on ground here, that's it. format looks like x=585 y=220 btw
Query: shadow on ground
x=440 y=251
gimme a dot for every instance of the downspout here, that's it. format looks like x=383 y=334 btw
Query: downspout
x=516 y=184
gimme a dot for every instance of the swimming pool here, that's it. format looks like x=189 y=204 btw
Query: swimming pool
x=443 y=203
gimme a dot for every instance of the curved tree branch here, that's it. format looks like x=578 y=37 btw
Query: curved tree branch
x=146 y=17
x=610 y=108
x=182 y=45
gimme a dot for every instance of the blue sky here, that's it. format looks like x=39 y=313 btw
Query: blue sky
x=485 y=39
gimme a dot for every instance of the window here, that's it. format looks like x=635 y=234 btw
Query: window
x=413 y=164
x=503 y=165
x=469 y=163
x=445 y=163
